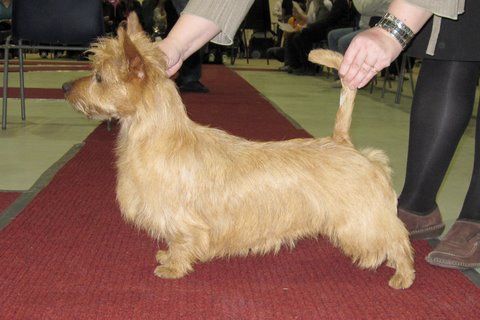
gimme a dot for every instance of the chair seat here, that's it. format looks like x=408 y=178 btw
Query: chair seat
x=49 y=24
x=57 y=21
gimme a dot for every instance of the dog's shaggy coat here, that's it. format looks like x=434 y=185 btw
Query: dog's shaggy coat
x=210 y=194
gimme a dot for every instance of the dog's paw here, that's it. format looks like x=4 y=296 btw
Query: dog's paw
x=161 y=256
x=168 y=272
x=400 y=281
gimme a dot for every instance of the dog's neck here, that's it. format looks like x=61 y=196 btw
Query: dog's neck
x=161 y=115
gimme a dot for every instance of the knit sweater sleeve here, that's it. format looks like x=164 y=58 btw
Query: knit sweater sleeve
x=443 y=8
x=226 y=14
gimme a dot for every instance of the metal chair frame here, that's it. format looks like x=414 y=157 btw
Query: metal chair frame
x=21 y=47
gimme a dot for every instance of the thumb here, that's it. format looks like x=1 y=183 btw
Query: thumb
x=173 y=69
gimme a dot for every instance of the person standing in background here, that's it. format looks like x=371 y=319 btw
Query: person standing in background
x=188 y=79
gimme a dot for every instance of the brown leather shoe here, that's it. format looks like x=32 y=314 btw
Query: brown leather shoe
x=460 y=248
x=422 y=227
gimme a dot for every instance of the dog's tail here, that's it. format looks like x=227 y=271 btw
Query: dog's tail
x=341 y=131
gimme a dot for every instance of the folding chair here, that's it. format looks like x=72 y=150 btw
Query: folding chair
x=62 y=24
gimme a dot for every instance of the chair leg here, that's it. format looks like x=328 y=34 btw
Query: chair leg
x=22 y=81
x=232 y=58
x=386 y=78
x=372 y=83
x=5 y=83
x=400 y=79
x=410 y=67
x=247 y=49
x=268 y=60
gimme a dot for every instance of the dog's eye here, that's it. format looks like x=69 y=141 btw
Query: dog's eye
x=98 y=78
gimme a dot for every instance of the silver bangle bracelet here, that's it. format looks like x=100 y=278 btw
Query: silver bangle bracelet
x=396 y=28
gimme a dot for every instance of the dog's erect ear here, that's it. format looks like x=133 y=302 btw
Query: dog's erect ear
x=134 y=60
x=133 y=24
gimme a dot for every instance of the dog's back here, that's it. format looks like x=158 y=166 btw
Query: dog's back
x=210 y=194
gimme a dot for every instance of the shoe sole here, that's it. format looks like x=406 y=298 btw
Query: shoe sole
x=452 y=264
x=427 y=233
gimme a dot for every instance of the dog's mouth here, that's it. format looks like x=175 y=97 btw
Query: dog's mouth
x=80 y=106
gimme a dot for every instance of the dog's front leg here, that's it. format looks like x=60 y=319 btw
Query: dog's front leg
x=174 y=263
x=183 y=251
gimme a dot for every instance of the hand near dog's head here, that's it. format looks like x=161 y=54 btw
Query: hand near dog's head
x=141 y=59
x=125 y=69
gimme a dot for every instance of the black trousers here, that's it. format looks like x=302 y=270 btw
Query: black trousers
x=441 y=110
x=302 y=42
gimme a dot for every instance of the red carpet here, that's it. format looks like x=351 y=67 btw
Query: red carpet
x=42 y=65
x=49 y=68
x=70 y=255
x=48 y=65
x=47 y=62
x=6 y=199
x=35 y=93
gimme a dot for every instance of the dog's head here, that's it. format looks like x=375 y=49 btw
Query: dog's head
x=124 y=68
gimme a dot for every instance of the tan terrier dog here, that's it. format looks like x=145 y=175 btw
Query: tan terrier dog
x=210 y=194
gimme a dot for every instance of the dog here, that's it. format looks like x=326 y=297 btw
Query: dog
x=210 y=194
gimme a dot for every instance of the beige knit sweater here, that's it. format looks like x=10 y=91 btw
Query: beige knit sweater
x=226 y=14
x=229 y=14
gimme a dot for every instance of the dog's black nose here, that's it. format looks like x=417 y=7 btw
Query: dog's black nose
x=66 y=87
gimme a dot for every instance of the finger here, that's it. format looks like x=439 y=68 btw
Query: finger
x=362 y=73
x=371 y=60
x=367 y=78
x=370 y=63
x=173 y=69
x=355 y=68
x=348 y=59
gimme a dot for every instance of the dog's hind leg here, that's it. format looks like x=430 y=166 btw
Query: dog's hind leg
x=400 y=257
x=370 y=247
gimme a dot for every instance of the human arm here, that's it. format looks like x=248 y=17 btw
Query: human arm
x=371 y=8
x=188 y=35
x=200 y=22
x=374 y=49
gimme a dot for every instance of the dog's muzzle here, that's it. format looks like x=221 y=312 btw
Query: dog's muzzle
x=66 y=87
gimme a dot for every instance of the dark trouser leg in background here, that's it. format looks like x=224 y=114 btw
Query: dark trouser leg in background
x=303 y=42
x=191 y=71
x=291 y=52
x=441 y=110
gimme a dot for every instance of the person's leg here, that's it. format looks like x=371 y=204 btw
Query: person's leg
x=188 y=79
x=460 y=248
x=191 y=68
x=471 y=205
x=335 y=35
x=441 y=109
x=277 y=53
x=345 y=40
x=339 y=40
x=291 y=52
x=303 y=43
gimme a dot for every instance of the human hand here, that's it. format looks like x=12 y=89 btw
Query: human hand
x=173 y=55
x=369 y=52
